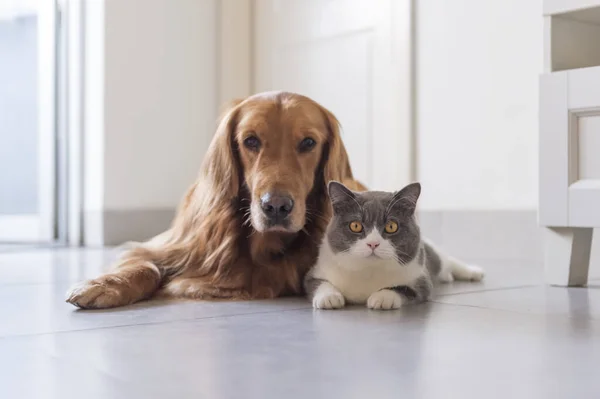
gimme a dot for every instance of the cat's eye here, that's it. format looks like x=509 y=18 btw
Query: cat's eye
x=356 y=227
x=391 y=227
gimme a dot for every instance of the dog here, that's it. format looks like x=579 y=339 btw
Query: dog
x=251 y=224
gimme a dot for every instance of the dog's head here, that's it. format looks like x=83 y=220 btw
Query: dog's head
x=278 y=147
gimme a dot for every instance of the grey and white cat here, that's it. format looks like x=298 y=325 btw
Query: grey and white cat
x=373 y=253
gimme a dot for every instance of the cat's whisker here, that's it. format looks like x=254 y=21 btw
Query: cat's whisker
x=316 y=213
x=401 y=253
x=315 y=240
x=345 y=250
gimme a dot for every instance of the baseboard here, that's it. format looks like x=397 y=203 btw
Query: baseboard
x=114 y=227
x=493 y=235
x=500 y=235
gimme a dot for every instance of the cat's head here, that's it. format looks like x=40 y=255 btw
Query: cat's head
x=374 y=225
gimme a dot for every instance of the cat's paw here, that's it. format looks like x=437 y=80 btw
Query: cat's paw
x=329 y=300
x=445 y=276
x=384 y=300
x=464 y=272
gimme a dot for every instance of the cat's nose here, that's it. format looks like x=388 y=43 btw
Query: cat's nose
x=373 y=245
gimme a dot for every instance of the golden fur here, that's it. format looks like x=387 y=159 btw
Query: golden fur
x=218 y=245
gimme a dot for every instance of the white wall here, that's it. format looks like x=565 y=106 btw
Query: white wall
x=160 y=99
x=158 y=105
x=151 y=102
x=155 y=82
x=477 y=114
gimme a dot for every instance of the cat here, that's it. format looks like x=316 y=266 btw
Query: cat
x=372 y=252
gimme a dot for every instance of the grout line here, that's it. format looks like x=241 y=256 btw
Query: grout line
x=150 y=323
x=490 y=290
x=517 y=312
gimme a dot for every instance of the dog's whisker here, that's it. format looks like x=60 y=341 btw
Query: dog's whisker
x=311 y=213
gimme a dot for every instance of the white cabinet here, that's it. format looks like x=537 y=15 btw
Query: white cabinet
x=569 y=198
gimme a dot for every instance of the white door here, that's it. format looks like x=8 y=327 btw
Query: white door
x=352 y=56
x=27 y=120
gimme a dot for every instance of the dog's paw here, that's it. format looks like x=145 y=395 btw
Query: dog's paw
x=101 y=293
x=329 y=300
x=384 y=300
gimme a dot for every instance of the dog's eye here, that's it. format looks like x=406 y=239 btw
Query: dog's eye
x=252 y=143
x=306 y=145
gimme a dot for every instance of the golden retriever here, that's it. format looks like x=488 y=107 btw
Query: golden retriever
x=251 y=224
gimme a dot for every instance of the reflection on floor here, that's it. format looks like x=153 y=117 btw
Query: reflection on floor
x=508 y=337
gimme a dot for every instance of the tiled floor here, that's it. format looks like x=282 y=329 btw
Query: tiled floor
x=509 y=337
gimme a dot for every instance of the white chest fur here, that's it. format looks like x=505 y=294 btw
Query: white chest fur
x=358 y=278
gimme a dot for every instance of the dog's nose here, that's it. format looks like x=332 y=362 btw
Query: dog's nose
x=276 y=207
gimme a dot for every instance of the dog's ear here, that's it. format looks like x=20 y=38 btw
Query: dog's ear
x=204 y=233
x=220 y=170
x=336 y=165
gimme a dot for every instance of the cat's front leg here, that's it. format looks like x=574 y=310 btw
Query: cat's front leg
x=392 y=297
x=385 y=299
x=324 y=294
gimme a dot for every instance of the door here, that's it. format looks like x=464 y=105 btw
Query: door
x=353 y=57
x=27 y=120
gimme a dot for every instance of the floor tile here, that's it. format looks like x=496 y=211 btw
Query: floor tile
x=53 y=265
x=427 y=351
x=579 y=303
x=35 y=283
x=508 y=336
x=41 y=308
x=27 y=371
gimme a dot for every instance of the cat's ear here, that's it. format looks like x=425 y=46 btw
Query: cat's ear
x=406 y=199
x=339 y=193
